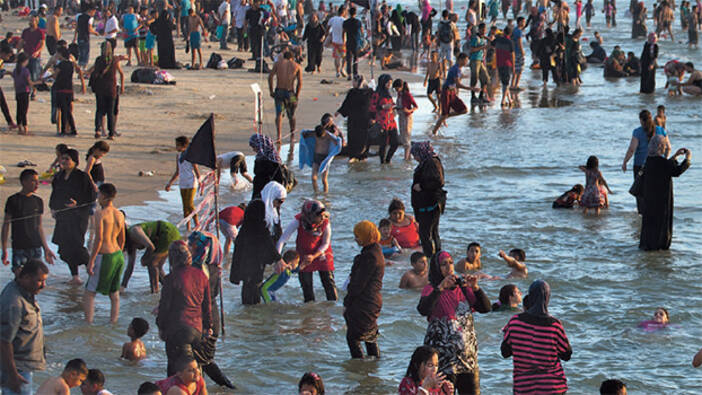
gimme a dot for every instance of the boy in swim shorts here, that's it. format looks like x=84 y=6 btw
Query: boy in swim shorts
x=106 y=260
x=276 y=281
x=432 y=80
x=324 y=135
x=195 y=37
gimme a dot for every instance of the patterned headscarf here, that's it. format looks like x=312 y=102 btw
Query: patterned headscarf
x=310 y=210
x=538 y=297
x=272 y=191
x=264 y=147
x=422 y=150
x=366 y=232
x=205 y=249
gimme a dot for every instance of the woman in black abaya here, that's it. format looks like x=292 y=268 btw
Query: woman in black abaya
x=648 y=64
x=657 y=214
x=355 y=108
x=163 y=29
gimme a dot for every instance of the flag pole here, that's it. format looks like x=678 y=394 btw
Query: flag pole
x=216 y=201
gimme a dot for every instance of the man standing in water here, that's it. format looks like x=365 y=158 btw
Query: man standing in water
x=106 y=260
x=21 y=329
x=288 y=85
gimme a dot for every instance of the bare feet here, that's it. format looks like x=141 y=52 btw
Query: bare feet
x=75 y=281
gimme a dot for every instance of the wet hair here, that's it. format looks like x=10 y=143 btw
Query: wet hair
x=95 y=376
x=32 y=268
x=313 y=379
x=99 y=146
x=27 y=173
x=73 y=154
x=667 y=315
x=148 y=388
x=505 y=292
x=649 y=127
x=612 y=387
x=140 y=326
x=181 y=363
x=61 y=148
x=76 y=365
x=291 y=255
x=288 y=55
x=416 y=256
x=384 y=223
x=518 y=254
x=592 y=162
x=396 y=204
x=473 y=244
x=182 y=140
x=421 y=355
x=577 y=188
x=108 y=190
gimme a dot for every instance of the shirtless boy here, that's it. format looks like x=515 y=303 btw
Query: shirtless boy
x=94 y=383
x=515 y=260
x=72 y=376
x=417 y=277
x=106 y=260
x=134 y=350
x=288 y=75
x=196 y=30
x=432 y=80
x=324 y=135
x=660 y=117
x=472 y=260
x=53 y=30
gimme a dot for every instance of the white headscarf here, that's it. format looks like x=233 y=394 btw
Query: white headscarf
x=271 y=192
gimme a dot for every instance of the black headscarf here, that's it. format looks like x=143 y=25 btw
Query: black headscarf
x=254 y=217
x=381 y=89
x=538 y=297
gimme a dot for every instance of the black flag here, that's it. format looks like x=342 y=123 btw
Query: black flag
x=201 y=150
x=362 y=3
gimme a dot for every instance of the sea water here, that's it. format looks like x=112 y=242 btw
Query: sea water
x=503 y=170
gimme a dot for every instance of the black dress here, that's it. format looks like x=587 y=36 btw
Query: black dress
x=638 y=27
x=163 y=29
x=363 y=300
x=657 y=214
x=254 y=248
x=71 y=224
x=429 y=203
x=265 y=171
x=648 y=75
x=355 y=108
x=313 y=34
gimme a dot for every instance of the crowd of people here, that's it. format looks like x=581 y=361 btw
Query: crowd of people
x=187 y=316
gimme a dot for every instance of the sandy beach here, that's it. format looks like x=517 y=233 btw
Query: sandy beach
x=151 y=116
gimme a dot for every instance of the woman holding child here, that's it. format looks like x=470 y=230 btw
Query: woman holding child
x=447 y=303
x=313 y=243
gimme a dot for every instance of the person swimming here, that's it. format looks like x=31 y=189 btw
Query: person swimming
x=510 y=299
x=570 y=197
x=661 y=320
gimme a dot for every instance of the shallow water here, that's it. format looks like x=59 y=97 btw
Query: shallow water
x=503 y=169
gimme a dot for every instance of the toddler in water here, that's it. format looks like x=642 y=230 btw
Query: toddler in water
x=660 y=320
x=596 y=188
x=418 y=276
x=515 y=260
x=387 y=241
x=94 y=384
x=72 y=376
x=134 y=350
x=276 y=280
x=310 y=384
x=570 y=197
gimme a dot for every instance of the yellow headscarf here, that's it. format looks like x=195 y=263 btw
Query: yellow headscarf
x=366 y=232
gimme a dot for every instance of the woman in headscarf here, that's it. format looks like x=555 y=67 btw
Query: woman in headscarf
x=428 y=195
x=207 y=255
x=382 y=109
x=537 y=343
x=314 y=34
x=267 y=166
x=162 y=28
x=313 y=243
x=356 y=108
x=254 y=249
x=649 y=55
x=657 y=213
x=273 y=197
x=447 y=302
x=638 y=21
x=363 y=300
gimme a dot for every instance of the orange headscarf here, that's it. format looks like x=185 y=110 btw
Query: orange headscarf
x=366 y=232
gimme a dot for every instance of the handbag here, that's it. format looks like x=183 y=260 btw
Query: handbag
x=637 y=187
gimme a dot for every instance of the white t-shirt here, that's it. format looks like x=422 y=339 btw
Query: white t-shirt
x=336 y=27
x=110 y=25
x=225 y=13
x=186 y=174
x=227 y=157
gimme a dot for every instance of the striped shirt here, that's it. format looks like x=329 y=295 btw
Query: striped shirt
x=536 y=345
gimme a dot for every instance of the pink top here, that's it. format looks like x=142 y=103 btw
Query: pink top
x=651 y=326
x=448 y=301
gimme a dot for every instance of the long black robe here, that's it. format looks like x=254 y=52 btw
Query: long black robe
x=657 y=214
x=265 y=171
x=638 y=23
x=254 y=248
x=648 y=75
x=355 y=108
x=163 y=29
x=363 y=300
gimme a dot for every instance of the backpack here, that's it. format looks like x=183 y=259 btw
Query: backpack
x=445 y=32
x=235 y=63
x=215 y=58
